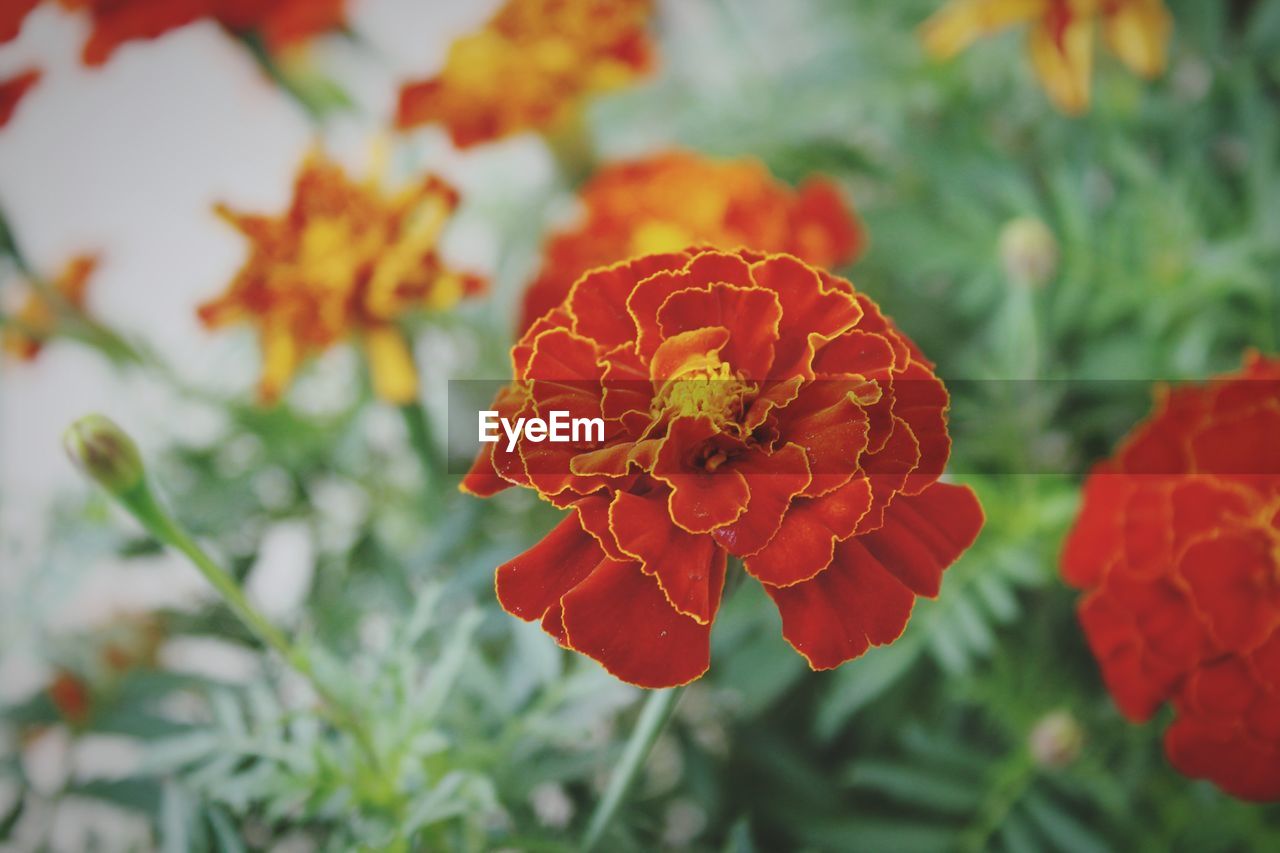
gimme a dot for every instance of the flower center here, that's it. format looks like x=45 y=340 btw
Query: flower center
x=704 y=387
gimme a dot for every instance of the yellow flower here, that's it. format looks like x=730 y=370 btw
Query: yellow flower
x=345 y=260
x=1062 y=37
x=37 y=319
x=530 y=67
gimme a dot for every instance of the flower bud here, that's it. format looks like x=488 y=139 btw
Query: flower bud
x=1056 y=740
x=1028 y=251
x=102 y=450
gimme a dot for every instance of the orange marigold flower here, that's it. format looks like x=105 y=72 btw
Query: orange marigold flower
x=37 y=320
x=530 y=67
x=754 y=406
x=1061 y=41
x=1177 y=547
x=674 y=199
x=345 y=259
x=12 y=91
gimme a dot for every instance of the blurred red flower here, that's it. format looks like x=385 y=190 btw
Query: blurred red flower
x=530 y=67
x=1178 y=549
x=674 y=199
x=754 y=406
x=114 y=22
x=13 y=89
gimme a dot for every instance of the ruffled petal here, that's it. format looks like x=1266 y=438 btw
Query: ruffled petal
x=620 y=617
x=806 y=540
x=536 y=580
x=774 y=480
x=689 y=567
x=837 y=615
x=749 y=314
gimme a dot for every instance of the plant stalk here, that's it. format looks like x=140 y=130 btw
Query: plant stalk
x=653 y=719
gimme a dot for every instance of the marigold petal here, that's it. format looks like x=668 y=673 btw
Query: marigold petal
x=395 y=378
x=1061 y=49
x=749 y=314
x=1137 y=31
x=775 y=480
x=534 y=581
x=805 y=543
x=924 y=534
x=620 y=617
x=689 y=567
x=840 y=613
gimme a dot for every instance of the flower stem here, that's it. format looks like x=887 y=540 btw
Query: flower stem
x=653 y=718
x=419 y=427
x=118 y=469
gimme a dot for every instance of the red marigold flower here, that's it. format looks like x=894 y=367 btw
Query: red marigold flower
x=13 y=89
x=1177 y=547
x=115 y=22
x=38 y=319
x=346 y=259
x=674 y=199
x=754 y=406
x=530 y=67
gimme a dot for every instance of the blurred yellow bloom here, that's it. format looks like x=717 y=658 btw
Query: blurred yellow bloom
x=530 y=66
x=37 y=319
x=345 y=260
x=1062 y=37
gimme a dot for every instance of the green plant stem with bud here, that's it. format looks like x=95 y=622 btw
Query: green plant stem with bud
x=657 y=710
x=109 y=456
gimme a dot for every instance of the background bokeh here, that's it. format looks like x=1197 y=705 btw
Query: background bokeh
x=985 y=727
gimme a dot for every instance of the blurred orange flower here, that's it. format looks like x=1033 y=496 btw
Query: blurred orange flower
x=114 y=22
x=37 y=319
x=1062 y=37
x=1177 y=547
x=530 y=67
x=345 y=259
x=674 y=199
x=12 y=91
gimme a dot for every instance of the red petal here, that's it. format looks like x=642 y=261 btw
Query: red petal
x=620 y=617
x=689 y=567
x=837 y=615
x=806 y=541
x=598 y=301
x=1233 y=583
x=887 y=471
x=701 y=500
x=774 y=480
x=924 y=534
x=534 y=581
x=921 y=400
x=750 y=314
x=811 y=312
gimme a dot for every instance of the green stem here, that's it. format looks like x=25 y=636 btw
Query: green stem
x=653 y=718
x=142 y=504
x=418 y=426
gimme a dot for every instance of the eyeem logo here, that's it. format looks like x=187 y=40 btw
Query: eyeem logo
x=558 y=428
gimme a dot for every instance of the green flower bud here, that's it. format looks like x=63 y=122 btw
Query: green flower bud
x=1056 y=740
x=102 y=450
x=1028 y=252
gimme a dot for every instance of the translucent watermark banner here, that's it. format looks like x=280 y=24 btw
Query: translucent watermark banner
x=996 y=427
